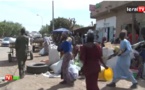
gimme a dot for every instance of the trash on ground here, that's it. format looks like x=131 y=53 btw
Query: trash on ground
x=48 y=74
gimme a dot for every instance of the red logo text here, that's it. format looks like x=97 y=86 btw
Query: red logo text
x=141 y=9
x=8 y=77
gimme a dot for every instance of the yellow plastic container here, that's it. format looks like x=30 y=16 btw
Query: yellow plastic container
x=106 y=74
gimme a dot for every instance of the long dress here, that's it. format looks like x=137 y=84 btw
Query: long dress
x=67 y=56
x=90 y=56
x=122 y=68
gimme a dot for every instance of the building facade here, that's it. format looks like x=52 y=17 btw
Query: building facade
x=111 y=17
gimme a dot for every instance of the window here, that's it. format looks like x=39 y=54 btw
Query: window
x=6 y=39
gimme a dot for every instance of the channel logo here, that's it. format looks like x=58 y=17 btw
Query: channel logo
x=9 y=78
x=135 y=9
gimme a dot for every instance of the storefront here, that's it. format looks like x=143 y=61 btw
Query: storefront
x=106 y=28
x=111 y=17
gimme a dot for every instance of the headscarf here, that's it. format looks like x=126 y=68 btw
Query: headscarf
x=104 y=39
x=69 y=39
x=65 y=34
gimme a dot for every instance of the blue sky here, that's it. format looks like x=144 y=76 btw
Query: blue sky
x=25 y=11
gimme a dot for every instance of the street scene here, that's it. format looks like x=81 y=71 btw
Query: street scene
x=39 y=82
x=106 y=51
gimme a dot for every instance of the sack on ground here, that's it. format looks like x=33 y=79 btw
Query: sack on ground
x=56 y=67
x=41 y=52
x=53 y=54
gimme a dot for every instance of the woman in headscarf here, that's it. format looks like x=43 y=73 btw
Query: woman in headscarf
x=91 y=56
x=46 y=48
x=103 y=42
x=66 y=48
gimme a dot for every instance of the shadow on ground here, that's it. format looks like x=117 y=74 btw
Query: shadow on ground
x=5 y=63
x=6 y=83
x=141 y=83
x=117 y=88
x=26 y=73
x=56 y=87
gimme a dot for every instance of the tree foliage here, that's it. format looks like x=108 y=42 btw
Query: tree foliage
x=61 y=22
x=8 y=28
x=44 y=30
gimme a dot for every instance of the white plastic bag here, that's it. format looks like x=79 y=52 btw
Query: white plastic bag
x=112 y=62
x=106 y=53
x=132 y=53
x=12 y=40
x=56 y=67
x=73 y=70
x=41 y=52
x=71 y=62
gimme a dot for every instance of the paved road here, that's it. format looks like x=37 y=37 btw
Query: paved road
x=4 y=53
x=4 y=64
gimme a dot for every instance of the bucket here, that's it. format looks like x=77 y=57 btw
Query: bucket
x=106 y=74
x=134 y=72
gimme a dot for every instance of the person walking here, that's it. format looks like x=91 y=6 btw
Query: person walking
x=91 y=56
x=103 y=42
x=77 y=39
x=21 y=46
x=66 y=48
x=143 y=33
x=122 y=69
x=130 y=37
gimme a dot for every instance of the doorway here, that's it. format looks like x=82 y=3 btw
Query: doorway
x=108 y=34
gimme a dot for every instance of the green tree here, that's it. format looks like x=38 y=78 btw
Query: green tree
x=76 y=26
x=8 y=28
x=45 y=30
x=61 y=22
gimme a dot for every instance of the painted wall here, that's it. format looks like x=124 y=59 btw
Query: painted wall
x=108 y=22
x=102 y=24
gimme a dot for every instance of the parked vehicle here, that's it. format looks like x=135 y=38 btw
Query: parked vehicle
x=5 y=42
x=12 y=53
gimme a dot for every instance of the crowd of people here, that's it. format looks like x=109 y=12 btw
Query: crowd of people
x=90 y=55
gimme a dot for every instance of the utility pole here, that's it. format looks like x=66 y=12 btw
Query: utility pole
x=52 y=15
x=133 y=25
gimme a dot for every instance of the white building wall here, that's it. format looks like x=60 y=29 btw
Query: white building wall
x=102 y=24
x=108 y=22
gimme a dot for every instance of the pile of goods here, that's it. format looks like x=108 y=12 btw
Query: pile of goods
x=38 y=40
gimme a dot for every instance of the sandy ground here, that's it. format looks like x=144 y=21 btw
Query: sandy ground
x=39 y=82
